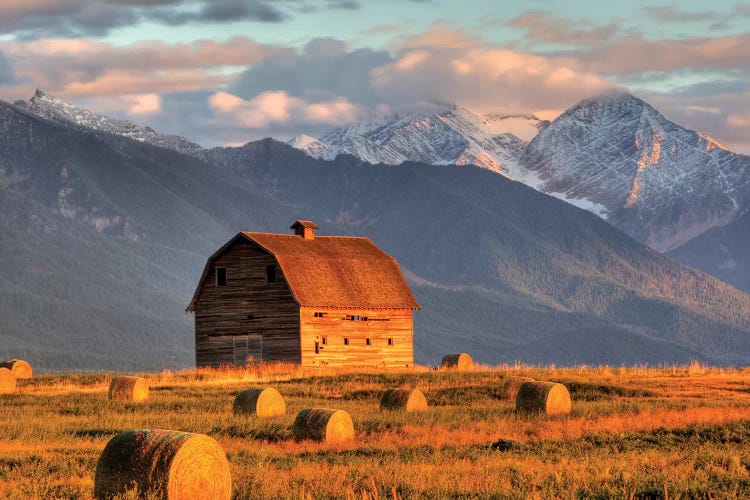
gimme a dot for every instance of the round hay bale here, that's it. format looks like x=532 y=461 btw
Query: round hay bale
x=7 y=381
x=126 y=388
x=20 y=368
x=168 y=464
x=403 y=399
x=461 y=361
x=510 y=385
x=545 y=397
x=323 y=424
x=264 y=403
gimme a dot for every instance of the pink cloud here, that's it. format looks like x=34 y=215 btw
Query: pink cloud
x=484 y=78
x=279 y=108
x=143 y=104
x=72 y=68
x=116 y=83
x=544 y=27
x=636 y=54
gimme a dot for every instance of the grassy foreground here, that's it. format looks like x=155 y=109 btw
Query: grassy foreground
x=680 y=432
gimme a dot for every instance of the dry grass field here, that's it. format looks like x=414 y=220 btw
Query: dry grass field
x=675 y=432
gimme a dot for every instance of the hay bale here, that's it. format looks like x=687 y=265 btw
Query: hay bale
x=461 y=361
x=168 y=464
x=510 y=385
x=126 y=388
x=545 y=397
x=264 y=403
x=20 y=368
x=7 y=381
x=323 y=424
x=403 y=399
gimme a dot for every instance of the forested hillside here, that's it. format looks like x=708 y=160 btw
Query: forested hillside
x=103 y=240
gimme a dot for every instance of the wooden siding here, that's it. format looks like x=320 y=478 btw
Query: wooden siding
x=223 y=329
x=381 y=325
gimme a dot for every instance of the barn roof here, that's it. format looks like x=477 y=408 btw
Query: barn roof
x=332 y=271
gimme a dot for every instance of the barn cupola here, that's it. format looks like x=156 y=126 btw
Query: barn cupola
x=304 y=228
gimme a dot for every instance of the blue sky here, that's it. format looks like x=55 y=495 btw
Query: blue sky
x=228 y=71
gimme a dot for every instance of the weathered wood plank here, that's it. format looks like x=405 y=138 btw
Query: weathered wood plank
x=334 y=327
x=247 y=305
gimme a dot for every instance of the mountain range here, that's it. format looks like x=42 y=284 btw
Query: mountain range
x=614 y=155
x=105 y=231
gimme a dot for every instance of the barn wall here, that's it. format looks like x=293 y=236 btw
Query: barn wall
x=223 y=329
x=381 y=325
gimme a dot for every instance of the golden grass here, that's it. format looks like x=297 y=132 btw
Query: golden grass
x=632 y=431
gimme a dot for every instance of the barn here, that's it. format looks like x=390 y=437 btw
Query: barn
x=303 y=298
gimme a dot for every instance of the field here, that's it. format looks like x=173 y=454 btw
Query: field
x=674 y=432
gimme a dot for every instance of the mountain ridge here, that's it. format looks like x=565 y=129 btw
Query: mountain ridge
x=499 y=267
x=51 y=108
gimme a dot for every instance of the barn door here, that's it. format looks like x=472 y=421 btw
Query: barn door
x=247 y=347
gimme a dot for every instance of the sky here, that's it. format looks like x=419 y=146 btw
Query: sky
x=230 y=71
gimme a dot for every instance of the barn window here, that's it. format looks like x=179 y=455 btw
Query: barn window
x=368 y=341
x=325 y=340
x=221 y=276
x=346 y=340
x=271 y=274
x=390 y=341
x=355 y=317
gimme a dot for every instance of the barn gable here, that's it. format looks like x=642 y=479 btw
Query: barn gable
x=330 y=271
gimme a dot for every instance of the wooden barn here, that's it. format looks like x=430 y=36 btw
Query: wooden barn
x=302 y=298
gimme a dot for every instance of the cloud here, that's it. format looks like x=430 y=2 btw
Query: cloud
x=75 y=67
x=738 y=122
x=223 y=11
x=7 y=73
x=144 y=104
x=672 y=14
x=85 y=18
x=277 y=107
x=324 y=67
x=485 y=78
x=541 y=26
x=627 y=55
x=720 y=109
x=37 y=18
x=34 y=19
x=440 y=65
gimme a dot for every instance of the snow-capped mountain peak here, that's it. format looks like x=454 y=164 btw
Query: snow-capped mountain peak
x=455 y=135
x=308 y=144
x=659 y=182
x=58 y=110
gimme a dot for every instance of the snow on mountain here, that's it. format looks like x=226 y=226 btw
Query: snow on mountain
x=523 y=126
x=659 y=182
x=57 y=110
x=454 y=136
x=308 y=144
